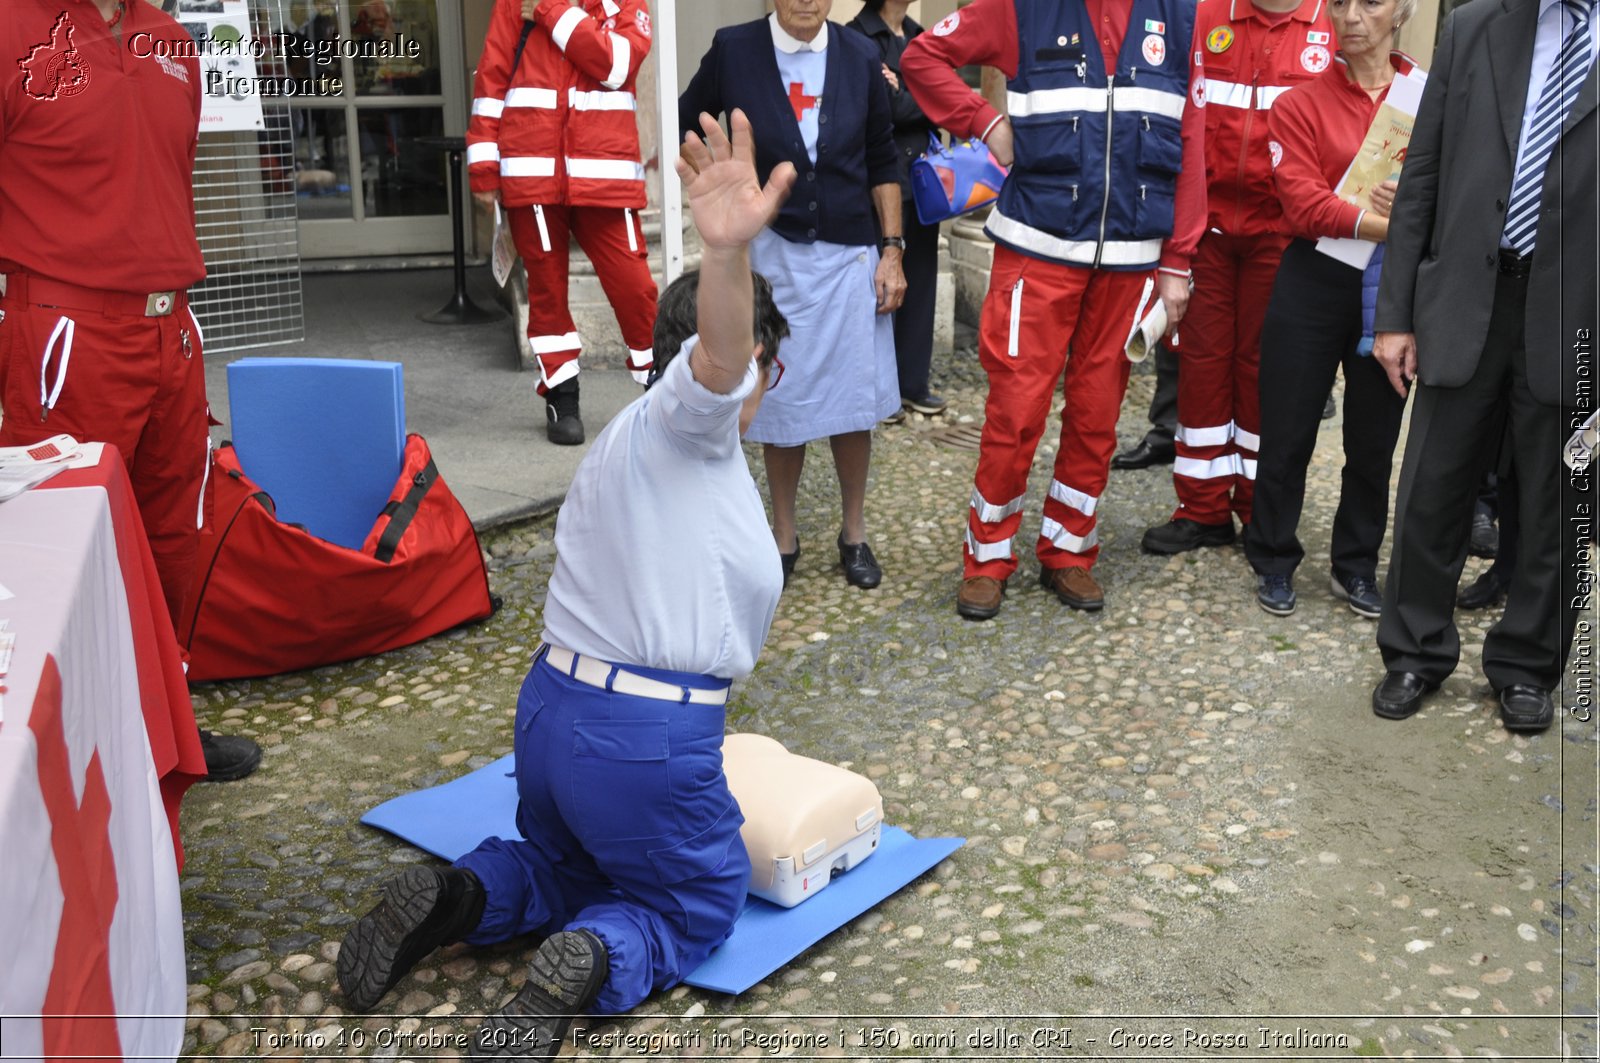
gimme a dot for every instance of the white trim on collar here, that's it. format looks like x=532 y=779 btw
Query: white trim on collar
x=785 y=43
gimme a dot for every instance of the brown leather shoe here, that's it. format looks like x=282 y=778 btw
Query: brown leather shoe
x=980 y=597
x=1074 y=586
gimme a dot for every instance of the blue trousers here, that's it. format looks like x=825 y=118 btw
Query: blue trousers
x=631 y=831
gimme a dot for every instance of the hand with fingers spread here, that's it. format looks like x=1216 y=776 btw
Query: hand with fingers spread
x=719 y=176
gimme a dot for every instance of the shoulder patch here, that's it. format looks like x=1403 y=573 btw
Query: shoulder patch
x=947 y=25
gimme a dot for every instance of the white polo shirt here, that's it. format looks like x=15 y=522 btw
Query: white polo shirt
x=664 y=558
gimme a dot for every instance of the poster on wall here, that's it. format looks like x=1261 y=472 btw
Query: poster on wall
x=231 y=100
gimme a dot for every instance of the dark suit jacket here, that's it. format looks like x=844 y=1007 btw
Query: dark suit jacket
x=1440 y=267
x=832 y=200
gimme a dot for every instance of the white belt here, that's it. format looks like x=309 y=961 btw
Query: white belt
x=606 y=676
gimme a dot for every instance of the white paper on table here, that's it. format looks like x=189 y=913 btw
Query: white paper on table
x=503 y=254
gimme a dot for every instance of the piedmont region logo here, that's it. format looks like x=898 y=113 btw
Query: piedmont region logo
x=55 y=69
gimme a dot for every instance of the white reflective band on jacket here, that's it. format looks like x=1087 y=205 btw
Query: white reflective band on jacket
x=1124 y=100
x=1201 y=469
x=1236 y=94
x=1039 y=242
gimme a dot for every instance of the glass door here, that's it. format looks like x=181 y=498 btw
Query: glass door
x=382 y=73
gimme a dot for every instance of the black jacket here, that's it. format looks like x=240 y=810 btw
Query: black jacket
x=911 y=126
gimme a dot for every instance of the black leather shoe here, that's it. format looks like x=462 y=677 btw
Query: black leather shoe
x=1485 y=538
x=1524 y=707
x=1400 y=695
x=1145 y=454
x=421 y=909
x=1182 y=534
x=860 y=567
x=1486 y=591
x=228 y=757
x=789 y=560
x=1329 y=408
x=564 y=978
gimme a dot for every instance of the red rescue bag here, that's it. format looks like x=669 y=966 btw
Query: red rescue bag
x=270 y=597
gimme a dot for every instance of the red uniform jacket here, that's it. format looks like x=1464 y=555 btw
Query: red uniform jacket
x=560 y=128
x=1316 y=130
x=1252 y=59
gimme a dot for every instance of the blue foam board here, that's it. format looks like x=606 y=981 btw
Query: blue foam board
x=325 y=437
x=450 y=820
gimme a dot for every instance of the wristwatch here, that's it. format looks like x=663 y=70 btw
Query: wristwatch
x=892 y=241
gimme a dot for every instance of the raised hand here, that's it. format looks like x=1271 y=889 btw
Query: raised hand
x=729 y=205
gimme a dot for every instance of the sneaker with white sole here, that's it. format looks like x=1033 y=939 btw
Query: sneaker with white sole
x=1275 y=593
x=1360 y=593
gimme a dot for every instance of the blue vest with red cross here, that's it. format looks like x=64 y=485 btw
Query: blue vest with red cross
x=1096 y=151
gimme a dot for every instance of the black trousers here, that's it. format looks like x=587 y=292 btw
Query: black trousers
x=1449 y=446
x=1312 y=327
x=1164 y=403
x=913 y=322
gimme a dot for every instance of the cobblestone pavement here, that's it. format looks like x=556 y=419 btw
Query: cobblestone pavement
x=1180 y=812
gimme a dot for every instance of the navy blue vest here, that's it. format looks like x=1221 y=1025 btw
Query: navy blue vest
x=1097 y=151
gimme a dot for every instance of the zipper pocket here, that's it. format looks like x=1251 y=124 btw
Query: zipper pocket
x=544 y=234
x=1016 y=318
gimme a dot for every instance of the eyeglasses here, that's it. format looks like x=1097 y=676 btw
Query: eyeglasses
x=774 y=373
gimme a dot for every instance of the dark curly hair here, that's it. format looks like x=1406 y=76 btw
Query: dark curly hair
x=677 y=313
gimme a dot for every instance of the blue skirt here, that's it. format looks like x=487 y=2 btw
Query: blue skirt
x=839 y=372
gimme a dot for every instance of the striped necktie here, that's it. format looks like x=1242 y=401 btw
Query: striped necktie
x=1555 y=101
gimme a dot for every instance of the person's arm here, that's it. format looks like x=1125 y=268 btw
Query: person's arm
x=983 y=32
x=1311 y=208
x=1189 y=208
x=612 y=57
x=489 y=100
x=883 y=176
x=1416 y=204
x=703 y=94
x=729 y=207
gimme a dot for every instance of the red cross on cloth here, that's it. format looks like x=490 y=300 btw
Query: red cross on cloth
x=800 y=101
x=79 y=1009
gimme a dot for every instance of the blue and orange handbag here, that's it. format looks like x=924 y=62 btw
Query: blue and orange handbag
x=947 y=182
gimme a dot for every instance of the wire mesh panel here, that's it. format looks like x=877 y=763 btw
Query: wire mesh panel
x=246 y=219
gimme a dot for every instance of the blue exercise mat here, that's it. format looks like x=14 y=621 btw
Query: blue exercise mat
x=450 y=820
x=325 y=437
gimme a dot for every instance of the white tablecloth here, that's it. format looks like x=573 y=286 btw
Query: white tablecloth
x=90 y=919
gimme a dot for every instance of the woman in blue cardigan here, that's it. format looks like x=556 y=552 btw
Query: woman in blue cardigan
x=816 y=97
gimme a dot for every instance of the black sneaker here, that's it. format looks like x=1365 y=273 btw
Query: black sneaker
x=1275 y=594
x=228 y=757
x=1360 y=593
x=564 y=978
x=421 y=909
x=563 y=425
x=1181 y=534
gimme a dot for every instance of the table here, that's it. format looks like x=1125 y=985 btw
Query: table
x=460 y=310
x=97 y=745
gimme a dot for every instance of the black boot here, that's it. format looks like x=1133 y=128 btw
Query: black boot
x=564 y=978
x=564 y=426
x=422 y=909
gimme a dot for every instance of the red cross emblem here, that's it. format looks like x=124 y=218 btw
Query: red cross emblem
x=80 y=978
x=800 y=101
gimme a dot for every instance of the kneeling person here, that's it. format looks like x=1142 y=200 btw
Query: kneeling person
x=633 y=864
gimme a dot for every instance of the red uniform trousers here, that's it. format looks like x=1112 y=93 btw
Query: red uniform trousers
x=1219 y=361
x=613 y=238
x=1034 y=312
x=134 y=381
